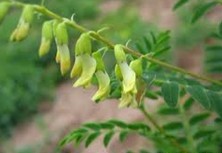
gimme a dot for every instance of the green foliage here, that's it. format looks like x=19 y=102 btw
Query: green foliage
x=170 y=93
x=179 y=130
x=202 y=9
x=179 y=3
x=213 y=58
x=90 y=131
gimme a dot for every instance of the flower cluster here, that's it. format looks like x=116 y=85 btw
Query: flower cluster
x=130 y=76
x=87 y=63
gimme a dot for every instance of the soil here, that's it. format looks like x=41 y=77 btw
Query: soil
x=73 y=106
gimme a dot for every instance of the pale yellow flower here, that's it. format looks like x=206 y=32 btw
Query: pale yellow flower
x=104 y=86
x=88 y=69
x=77 y=68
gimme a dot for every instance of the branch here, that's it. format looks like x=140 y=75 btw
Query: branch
x=98 y=37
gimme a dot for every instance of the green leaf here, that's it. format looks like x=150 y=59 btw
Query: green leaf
x=199 y=94
x=168 y=111
x=93 y=126
x=123 y=135
x=203 y=133
x=73 y=136
x=138 y=126
x=107 y=138
x=91 y=138
x=173 y=126
x=151 y=95
x=216 y=101
x=80 y=138
x=202 y=9
x=148 y=44
x=107 y=126
x=170 y=92
x=199 y=118
x=118 y=123
x=179 y=3
x=188 y=104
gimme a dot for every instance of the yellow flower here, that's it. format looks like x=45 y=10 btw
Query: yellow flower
x=24 y=24
x=63 y=55
x=88 y=69
x=104 y=86
x=128 y=100
x=77 y=68
x=64 y=58
x=46 y=40
x=129 y=78
x=127 y=75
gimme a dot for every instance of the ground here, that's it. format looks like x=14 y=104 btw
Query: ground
x=73 y=106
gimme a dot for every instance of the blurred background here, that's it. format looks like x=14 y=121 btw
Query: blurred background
x=38 y=107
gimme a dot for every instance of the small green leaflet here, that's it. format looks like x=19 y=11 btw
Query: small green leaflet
x=91 y=138
x=200 y=95
x=107 y=138
x=202 y=9
x=179 y=3
x=173 y=126
x=170 y=92
x=199 y=118
x=216 y=101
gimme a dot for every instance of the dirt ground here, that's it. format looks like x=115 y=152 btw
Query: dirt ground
x=73 y=106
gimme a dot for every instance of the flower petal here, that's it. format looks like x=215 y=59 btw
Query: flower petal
x=64 y=58
x=104 y=86
x=77 y=68
x=44 y=47
x=129 y=78
x=88 y=69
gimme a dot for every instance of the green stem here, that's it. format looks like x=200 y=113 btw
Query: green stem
x=161 y=130
x=45 y=11
x=186 y=126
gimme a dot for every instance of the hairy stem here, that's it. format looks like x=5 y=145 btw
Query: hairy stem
x=161 y=130
x=98 y=37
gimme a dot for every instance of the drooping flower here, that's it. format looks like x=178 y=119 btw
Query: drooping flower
x=127 y=75
x=83 y=46
x=46 y=40
x=4 y=6
x=85 y=65
x=88 y=69
x=62 y=47
x=102 y=77
x=24 y=24
x=104 y=86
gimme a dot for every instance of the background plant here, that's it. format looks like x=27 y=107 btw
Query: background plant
x=172 y=84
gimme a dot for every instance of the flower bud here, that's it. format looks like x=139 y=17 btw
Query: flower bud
x=47 y=36
x=88 y=69
x=119 y=53
x=104 y=86
x=4 y=6
x=99 y=61
x=136 y=66
x=61 y=34
x=83 y=45
x=24 y=24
